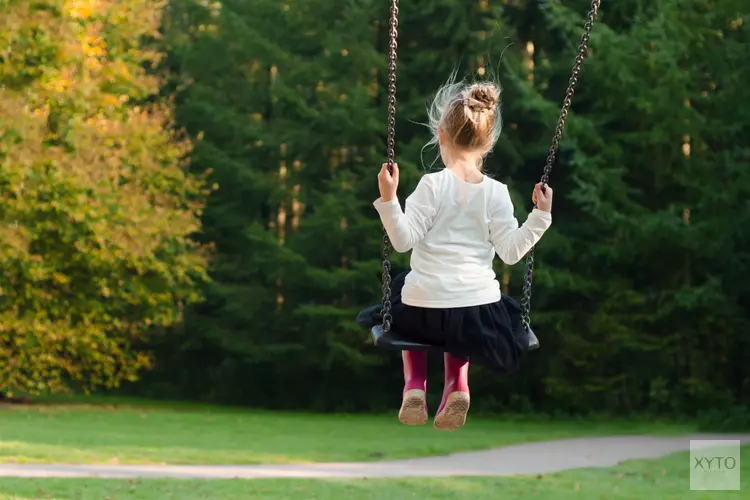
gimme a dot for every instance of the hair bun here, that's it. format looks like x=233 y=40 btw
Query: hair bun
x=482 y=97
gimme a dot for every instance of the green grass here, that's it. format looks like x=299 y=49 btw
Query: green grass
x=139 y=433
x=665 y=479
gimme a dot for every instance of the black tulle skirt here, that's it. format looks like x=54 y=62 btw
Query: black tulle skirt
x=485 y=334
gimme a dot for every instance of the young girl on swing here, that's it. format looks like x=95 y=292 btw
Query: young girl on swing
x=455 y=221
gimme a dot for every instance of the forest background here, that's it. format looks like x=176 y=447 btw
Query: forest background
x=187 y=186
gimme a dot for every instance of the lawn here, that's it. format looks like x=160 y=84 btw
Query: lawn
x=665 y=479
x=140 y=433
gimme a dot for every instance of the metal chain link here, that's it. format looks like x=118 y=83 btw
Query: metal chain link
x=391 y=154
x=582 y=53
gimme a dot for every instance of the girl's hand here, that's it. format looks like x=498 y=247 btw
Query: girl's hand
x=388 y=182
x=542 y=197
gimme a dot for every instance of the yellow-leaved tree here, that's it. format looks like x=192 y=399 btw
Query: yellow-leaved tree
x=96 y=205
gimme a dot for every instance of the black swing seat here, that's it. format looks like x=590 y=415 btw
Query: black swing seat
x=530 y=342
x=370 y=318
x=394 y=342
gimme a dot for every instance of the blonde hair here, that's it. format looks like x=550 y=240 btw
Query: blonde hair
x=468 y=115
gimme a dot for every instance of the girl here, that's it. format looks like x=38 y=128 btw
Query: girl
x=455 y=221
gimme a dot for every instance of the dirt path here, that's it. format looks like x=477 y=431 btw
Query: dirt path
x=531 y=458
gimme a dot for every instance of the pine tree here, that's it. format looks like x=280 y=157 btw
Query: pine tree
x=637 y=296
x=285 y=118
x=638 y=319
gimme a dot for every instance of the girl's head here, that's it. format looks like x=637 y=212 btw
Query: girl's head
x=465 y=120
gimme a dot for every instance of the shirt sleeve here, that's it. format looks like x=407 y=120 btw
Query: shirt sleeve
x=406 y=229
x=512 y=242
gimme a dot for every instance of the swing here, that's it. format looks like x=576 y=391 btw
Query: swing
x=383 y=335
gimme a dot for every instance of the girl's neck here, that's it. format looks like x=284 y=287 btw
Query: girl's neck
x=468 y=171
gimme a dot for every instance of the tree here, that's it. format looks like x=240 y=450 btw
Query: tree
x=252 y=82
x=639 y=298
x=96 y=207
x=291 y=112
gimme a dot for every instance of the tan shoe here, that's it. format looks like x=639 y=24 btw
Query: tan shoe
x=413 y=408
x=452 y=416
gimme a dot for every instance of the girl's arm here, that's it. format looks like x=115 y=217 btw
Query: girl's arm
x=407 y=229
x=510 y=241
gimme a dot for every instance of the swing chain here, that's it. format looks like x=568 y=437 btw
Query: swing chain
x=582 y=53
x=391 y=154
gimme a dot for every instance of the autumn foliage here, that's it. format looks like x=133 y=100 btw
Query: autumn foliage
x=96 y=207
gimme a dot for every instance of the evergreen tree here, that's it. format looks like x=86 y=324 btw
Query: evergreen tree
x=637 y=313
x=282 y=105
x=637 y=292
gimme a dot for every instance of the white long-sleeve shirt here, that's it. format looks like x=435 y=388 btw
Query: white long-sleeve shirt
x=455 y=228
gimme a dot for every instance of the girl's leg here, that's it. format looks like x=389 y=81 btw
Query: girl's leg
x=455 y=404
x=414 y=405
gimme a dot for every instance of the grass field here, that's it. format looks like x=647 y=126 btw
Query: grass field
x=666 y=479
x=139 y=433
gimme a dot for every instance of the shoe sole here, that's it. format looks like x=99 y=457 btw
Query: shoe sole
x=413 y=408
x=453 y=416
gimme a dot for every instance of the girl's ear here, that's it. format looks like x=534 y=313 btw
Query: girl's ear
x=441 y=135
